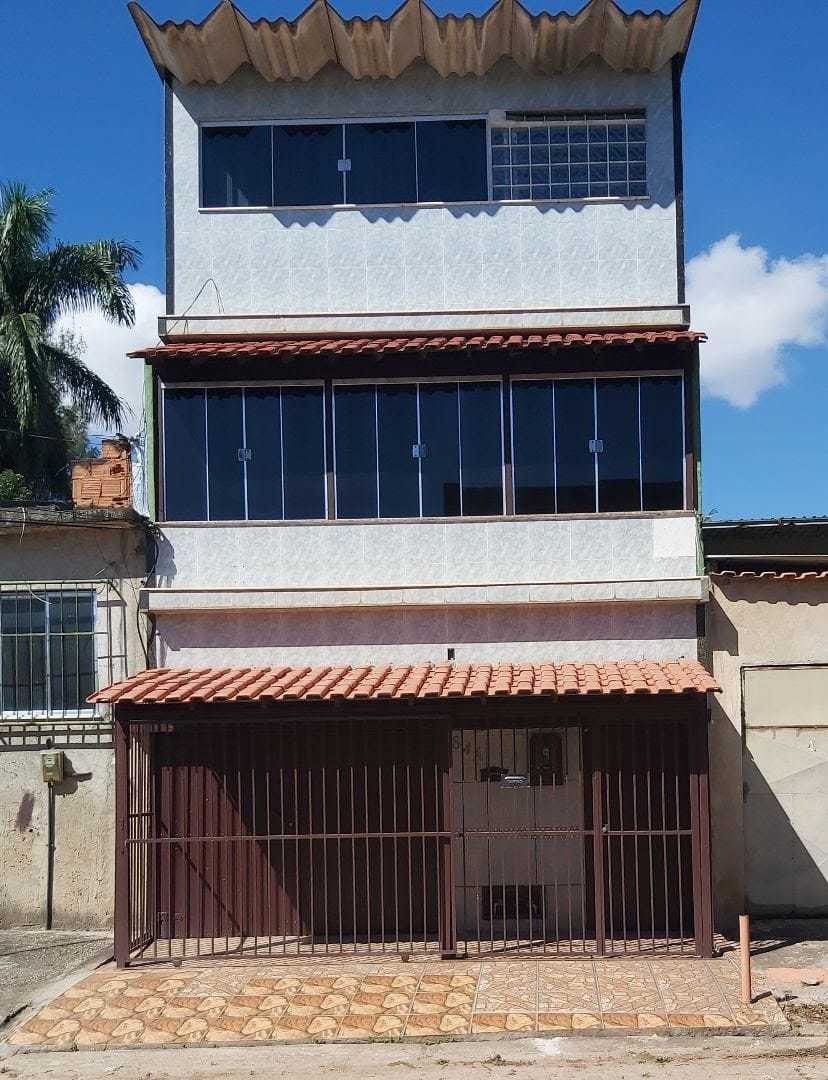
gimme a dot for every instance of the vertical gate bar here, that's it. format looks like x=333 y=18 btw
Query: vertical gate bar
x=366 y=803
x=296 y=914
x=351 y=751
x=409 y=828
x=444 y=822
x=582 y=836
x=312 y=836
x=649 y=744
x=325 y=745
x=596 y=734
x=380 y=747
x=664 y=820
x=338 y=760
x=121 y=732
x=489 y=736
x=620 y=733
x=503 y=861
x=394 y=848
x=282 y=883
x=421 y=755
x=607 y=831
x=269 y=743
x=678 y=729
x=634 y=764
x=254 y=871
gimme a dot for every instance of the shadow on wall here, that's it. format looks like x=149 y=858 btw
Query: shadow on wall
x=418 y=626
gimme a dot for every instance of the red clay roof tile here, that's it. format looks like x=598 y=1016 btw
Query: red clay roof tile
x=349 y=345
x=426 y=681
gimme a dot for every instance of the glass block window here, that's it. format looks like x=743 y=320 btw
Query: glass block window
x=566 y=156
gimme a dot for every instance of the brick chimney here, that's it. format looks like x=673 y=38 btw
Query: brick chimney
x=104 y=482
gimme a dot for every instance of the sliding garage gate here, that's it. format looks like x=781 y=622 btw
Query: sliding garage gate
x=242 y=832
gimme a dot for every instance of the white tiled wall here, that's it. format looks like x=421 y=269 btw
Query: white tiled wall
x=384 y=555
x=482 y=256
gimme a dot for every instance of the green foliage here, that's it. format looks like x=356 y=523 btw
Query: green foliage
x=48 y=395
x=13 y=487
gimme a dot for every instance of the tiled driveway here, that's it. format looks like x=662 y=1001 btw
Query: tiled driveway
x=250 y=1001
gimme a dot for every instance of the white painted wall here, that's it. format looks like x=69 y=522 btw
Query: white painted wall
x=397 y=635
x=480 y=256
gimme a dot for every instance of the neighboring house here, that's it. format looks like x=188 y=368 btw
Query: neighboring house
x=69 y=624
x=768 y=641
x=425 y=447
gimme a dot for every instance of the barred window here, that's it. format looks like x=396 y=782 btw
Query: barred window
x=47 y=651
x=569 y=156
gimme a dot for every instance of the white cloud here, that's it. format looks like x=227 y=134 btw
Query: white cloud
x=107 y=345
x=753 y=308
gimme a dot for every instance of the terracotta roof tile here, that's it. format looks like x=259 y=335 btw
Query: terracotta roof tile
x=349 y=345
x=425 y=681
x=774 y=575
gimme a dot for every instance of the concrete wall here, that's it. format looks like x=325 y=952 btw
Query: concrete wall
x=84 y=840
x=775 y=622
x=84 y=802
x=658 y=631
x=480 y=256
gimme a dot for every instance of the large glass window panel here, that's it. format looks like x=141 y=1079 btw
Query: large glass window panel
x=303 y=448
x=533 y=440
x=440 y=439
x=399 y=480
x=225 y=469
x=481 y=449
x=263 y=439
x=662 y=443
x=451 y=161
x=355 y=442
x=382 y=163
x=574 y=462
x=619 y=481
x=305 y=166
x=185 y=456
x=236 y=166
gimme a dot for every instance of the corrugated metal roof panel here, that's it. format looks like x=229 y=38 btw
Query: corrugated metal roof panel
x=214 y=49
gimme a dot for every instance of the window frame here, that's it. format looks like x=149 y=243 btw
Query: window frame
x=240 y=387
x=491 y=119
x=417 y=382
x=594 y=376
x=84 y=711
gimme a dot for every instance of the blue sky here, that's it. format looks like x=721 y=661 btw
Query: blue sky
x=81 y=111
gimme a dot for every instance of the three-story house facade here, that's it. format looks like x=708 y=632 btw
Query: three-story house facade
x=425 y=444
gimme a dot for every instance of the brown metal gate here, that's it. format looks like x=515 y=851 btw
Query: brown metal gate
x=551 y=834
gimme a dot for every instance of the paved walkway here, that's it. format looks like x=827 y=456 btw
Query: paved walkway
x=266 y=1000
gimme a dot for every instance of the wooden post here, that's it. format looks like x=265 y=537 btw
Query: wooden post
x=744 y=959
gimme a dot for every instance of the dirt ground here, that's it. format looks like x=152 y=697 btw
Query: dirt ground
x=635 y=1058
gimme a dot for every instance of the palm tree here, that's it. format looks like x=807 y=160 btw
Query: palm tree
x=38 y=283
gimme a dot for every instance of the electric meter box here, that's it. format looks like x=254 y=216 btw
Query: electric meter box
x=52 y=765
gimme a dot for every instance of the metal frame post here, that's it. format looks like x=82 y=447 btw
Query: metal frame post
x=122 y=883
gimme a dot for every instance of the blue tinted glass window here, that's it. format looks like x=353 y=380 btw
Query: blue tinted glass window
x=303 y=447
x=185 y=456
x=355 y=442
x=263 y=440
x=481 y=449
x=382 y=163
x=451 y=160
x=236 y=166
x=662 y=443
x=225 y=470
x=440 y=437
x=533 y=440
x=399 y=479
x=305 y=164
x=619 y=482
x=574 y=461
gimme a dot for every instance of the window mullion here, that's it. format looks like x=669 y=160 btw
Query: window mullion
x=47 y=656
x=640 y=453
x=595 y=435
x=419 y=453
x=554 y=448
x=459 y=446
x=206 y=458
x=244 y=455
x=376 y=445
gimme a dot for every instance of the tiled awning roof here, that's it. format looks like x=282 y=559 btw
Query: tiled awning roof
x=774 y=575
x=406 y=682
x=281 y=49
x=343 y=345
